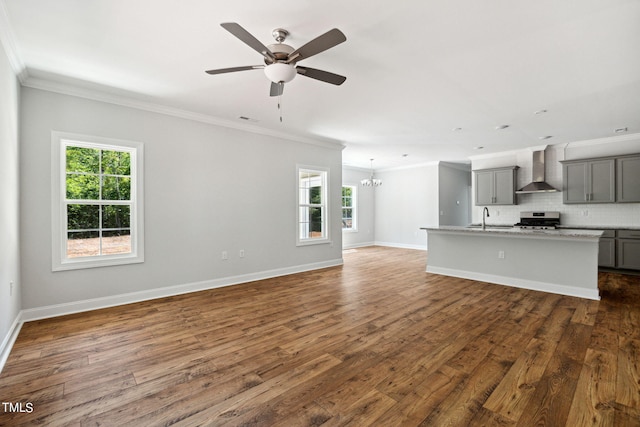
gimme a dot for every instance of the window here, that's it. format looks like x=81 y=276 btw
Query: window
x=312 y=206
x=349 y=208
x=97 y=202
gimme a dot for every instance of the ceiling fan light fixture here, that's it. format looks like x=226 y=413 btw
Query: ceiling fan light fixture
x=280 y=72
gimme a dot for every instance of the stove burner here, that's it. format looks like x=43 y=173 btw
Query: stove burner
x=539 y=220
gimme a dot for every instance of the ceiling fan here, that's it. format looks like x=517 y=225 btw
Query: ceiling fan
x=281 y=59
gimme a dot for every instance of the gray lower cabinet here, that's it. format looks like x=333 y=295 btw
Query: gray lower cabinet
x=628 y=249
x=495 y=186
x=607 y=249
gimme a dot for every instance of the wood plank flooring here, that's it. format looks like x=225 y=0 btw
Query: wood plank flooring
x=374 y=342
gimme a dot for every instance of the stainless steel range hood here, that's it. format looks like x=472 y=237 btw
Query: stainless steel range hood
x=538 y=185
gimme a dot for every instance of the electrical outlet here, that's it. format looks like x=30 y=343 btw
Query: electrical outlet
x=241 y=253
x=501 y=254
x=225 y=255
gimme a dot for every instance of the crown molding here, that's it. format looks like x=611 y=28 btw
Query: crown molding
x=600 y=141
x=10 y=47
x=111 y=98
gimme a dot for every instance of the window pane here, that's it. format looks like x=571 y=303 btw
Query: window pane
x=347 y=213
x=86 y=243
x=83 y=160
x=116 y=188
x=116 y=242
x=304 y=214
x=83 y=187
x=315 y=220
x=83 y=217
x=315 y=195
x=116 y=162
x=346 y=191
x=311 y=200
x=116 y=216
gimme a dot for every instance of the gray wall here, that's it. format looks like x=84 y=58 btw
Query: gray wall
x=208 y=189
x=454 y=194
x=406 y=201
x=10 y=302
x=364 y=235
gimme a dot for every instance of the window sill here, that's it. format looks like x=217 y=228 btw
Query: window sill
x=313 y=242
x=78 y=264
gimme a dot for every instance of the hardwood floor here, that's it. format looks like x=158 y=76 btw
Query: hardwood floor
x=375 y=342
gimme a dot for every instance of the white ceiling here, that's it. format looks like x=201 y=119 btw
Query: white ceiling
x=415 y=69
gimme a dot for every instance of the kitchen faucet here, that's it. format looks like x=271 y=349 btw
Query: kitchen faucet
x=484 y=211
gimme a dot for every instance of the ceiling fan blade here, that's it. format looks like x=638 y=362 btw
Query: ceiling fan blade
x=321 y=43
x=321 y=75
x=233 y=69
x=248 y=39
x=276 y=89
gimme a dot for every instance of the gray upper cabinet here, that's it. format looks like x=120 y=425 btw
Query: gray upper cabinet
x=628 y=179
x=496 y=186
x=589 y=181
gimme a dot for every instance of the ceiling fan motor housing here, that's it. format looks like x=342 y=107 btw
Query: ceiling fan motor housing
x=280 y=50
x=280 y=71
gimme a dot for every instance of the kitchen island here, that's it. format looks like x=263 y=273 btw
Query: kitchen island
x=558 y=261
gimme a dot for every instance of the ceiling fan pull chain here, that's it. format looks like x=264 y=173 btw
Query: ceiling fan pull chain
x=280 y=101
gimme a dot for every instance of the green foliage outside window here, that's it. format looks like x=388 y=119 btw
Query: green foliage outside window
x=347 y=207
x=94 y=177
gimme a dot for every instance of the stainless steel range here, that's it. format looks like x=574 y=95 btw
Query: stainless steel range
x=539 y=220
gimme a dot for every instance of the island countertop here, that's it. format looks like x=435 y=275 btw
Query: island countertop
x=520 y=232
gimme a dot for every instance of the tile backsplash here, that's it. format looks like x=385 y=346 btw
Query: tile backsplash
x=596 y=214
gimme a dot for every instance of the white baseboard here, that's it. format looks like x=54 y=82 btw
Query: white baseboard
x=111 y=301
x=402 y=245
x=358 y=245
x=10 y=339
x=518 y=283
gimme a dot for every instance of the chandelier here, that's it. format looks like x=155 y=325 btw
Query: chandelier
x=371 y=181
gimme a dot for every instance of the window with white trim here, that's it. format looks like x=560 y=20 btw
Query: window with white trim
x=97 y=202
x=349 y=208
x=312 y=205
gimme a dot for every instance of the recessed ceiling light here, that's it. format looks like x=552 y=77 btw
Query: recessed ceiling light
x=545 y=137
x=405 y=155
x=502 y=127
x=479 y=147
x=621 y=130
x=456 y=129
x=540 y=112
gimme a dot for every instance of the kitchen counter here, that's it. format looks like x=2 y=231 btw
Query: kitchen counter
x=522 y=232
x=563 y=261
x=599 y=227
